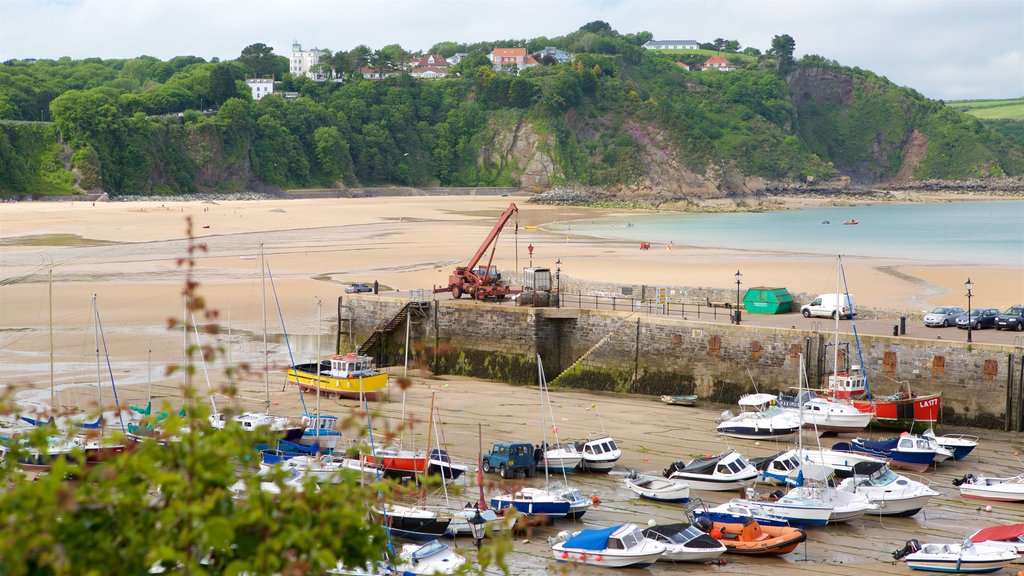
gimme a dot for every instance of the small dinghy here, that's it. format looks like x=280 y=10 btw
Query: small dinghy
x=1009 y=537
x=736 y=511
x=760 y=419
x=727 y=471
x=964 y=558
x=658 y=489
x=908 y=452
x=753 y=539
x=1009 y=489
x=616 y=547
x=599 y=455
x=684 y=543
x=682 y=400
x=959 y=444
x=893 y=494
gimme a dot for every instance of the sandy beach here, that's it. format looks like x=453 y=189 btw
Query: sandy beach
x=126 y=254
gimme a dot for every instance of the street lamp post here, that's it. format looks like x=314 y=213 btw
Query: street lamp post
x=530 y=250
x=970 y=286
x=558 y=283
x=476 y=526
x=736 y=316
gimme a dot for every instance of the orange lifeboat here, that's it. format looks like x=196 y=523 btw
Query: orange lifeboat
x=753 y=539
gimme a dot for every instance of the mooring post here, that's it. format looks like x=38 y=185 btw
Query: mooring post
x=636 y=352
x=1009 y=422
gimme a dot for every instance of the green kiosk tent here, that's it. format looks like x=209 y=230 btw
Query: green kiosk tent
x=763 y=300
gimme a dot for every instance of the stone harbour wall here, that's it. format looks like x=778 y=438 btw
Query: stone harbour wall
x=659 y=355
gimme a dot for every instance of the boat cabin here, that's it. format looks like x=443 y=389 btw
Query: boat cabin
x=599 y=447
x=625 y=538
x=323 y=423
x=914 y=443
x=351 y=366
x=848 y=384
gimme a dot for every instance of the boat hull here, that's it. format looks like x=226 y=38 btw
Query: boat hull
x=899 y=506
x=989 y=493
x=604 y=558
x=554 y=509
x=660 y=490
x=754 y=433
x=368 y=387
x=598 y=465
x=953 y=566
x=915 y=414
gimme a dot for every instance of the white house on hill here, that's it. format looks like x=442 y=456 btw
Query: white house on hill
x=306 y=62
x=260 y=87
x=672 y=45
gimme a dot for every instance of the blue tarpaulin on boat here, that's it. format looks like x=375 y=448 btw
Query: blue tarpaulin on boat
x=591 y=539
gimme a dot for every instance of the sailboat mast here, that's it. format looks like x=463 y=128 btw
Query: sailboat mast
x=266 y=353
x=543 y=429
x=149 y=373
x=430 y=426
x=319 y=305
x=96 y=326
x=835 y=343
x=479 y=464
x=53 y=403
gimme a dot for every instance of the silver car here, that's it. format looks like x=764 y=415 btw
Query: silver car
x=943 y=316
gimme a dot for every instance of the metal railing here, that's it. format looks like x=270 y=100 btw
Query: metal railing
x=678 y=309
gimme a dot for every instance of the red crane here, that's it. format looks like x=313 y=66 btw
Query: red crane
x=480 y=282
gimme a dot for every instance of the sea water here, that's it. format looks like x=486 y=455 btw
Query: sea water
x=984 y=232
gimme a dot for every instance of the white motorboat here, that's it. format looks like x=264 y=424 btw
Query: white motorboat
x=616 y=547
x=325 y=468
x=1010 y=537
x=736 y=511
x=1009 y=489
x=780 y=468
x=959 y=444
x=941 y=452
x=892 y=493
x=760 y=419
x=578 y=504
x=658 y=489
x=798 y=507
x=252 y=421
x=434 y=557
x=599 y=455
x=725 y=472
x=684 y=543
x=825 y=414
x=412 y=522
x=841 y=462
x=816 y=486
x=963 y=558
x=562 y=457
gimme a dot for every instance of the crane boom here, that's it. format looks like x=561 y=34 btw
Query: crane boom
x=512 y=209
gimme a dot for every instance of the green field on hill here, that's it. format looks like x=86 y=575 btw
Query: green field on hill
x=1012 y=109
x=731 y=56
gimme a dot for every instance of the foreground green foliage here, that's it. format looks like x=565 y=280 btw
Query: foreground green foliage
x=610 y=117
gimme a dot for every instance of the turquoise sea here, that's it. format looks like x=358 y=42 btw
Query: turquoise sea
x=988 y=232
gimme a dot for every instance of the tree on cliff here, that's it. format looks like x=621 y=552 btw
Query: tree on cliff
x=782 y=49
x=262 y=62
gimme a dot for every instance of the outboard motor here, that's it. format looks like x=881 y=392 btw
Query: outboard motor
x=633 y=475
x=674 y=467
x=967 y=479
x=727 y=415
x=911 y=547
x=702 y=523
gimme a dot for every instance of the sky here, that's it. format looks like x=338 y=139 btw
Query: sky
x=945 y=49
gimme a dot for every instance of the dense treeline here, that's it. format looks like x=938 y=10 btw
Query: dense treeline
x=144 y=126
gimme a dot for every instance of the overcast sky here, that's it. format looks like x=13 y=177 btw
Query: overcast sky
x=944 y=49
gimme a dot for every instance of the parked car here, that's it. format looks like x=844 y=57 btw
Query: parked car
x=828 y=305
x=1012 y=319
x=357 y=287
x=978 y=319
x=943 y=316
x=510 y=459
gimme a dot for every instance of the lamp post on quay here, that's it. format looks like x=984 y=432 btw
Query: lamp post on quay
x=558 y=283
x=970 y=286
x=736 y=314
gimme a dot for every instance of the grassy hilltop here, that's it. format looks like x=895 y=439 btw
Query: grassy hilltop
x=617 y=116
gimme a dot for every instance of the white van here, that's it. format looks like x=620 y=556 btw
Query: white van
x=828 y=305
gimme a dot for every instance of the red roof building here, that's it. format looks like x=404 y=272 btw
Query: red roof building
x=717 y=63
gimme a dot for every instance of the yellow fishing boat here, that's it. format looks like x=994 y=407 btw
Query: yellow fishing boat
x=346 y=375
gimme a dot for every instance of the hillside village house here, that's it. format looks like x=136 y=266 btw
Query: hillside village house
x=683 y=65
x=260 y=87
x=428 y=66
x=511 y=60
x=560 y=56
x=306 y=62
x=672 y=45
x=717 y=63
x=456 y=58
